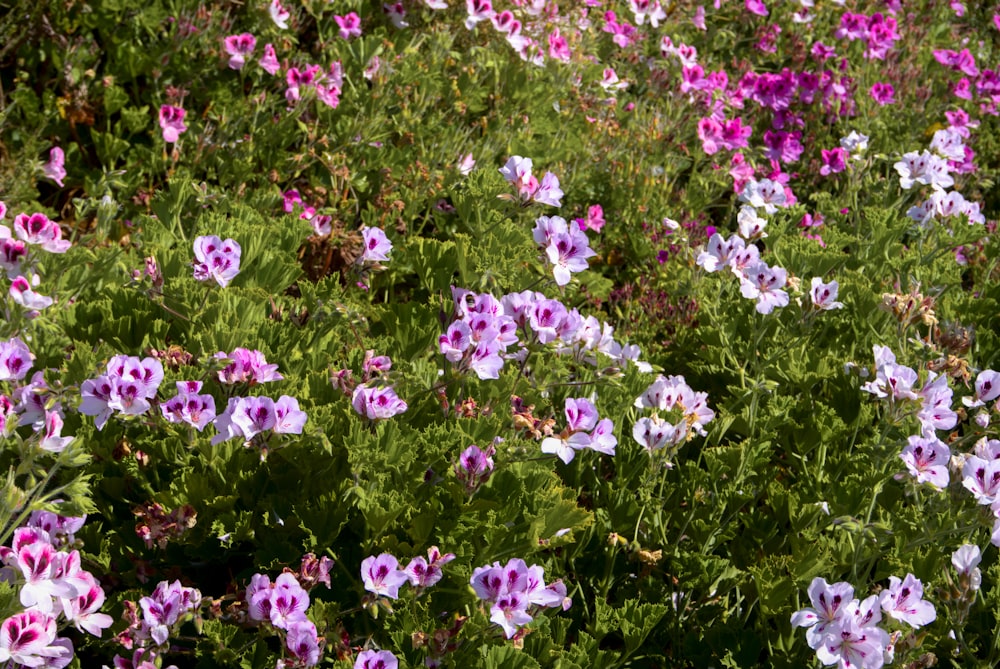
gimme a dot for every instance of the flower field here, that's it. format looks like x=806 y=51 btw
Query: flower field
x=505 y=334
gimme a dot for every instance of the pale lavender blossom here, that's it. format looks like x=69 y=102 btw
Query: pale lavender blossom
x=377 y=403
x=381 y=575
x=903 y=600
x=376 y=246
x=15 y=359
x=376 y=659
x=216 y=259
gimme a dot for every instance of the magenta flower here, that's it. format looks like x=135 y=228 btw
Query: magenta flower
x=382 y=576
x=834 y=161
x=303 y=643
x=216 y=259
x=54 y=168
x=883 y=94
x=594 y=219
x=350 y=25
x=172 y=122
x=239 y=47
x=22 y=293
x=756 y=7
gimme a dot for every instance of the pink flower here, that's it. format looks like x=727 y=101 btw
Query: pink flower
x=756 y=7
x=883 y=93
x=239 y=47
x=594 y=220
x=350 y=25
x=269 y=61
x=834 y=161
x=38 y=229
x=54 y=168
x=172 y=122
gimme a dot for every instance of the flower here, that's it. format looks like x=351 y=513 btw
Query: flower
x=927 y=460
x=350 y=25
x=54 y=168
x=824 y=294
x=764 y=284
x=382 y=576
x=903 y=600
x=15 y=360
x=37 y=229
x=377 y=403
x=279 y=14
x=883 y=93
x=829 y=605
x=966 y=562
x=376 y=659
x=216 y=259
x=172 y=122
x=376 y=246
x=239 y=47
x=269 y=61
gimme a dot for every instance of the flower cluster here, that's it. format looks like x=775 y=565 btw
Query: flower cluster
x=216 y=259
x=516 y=592
x=327 y=85
x=845 y=631
x=897 y=384
x=479 y=335
x=322 y=224
x=383 y=577
x=671 y=394
x=53 y=588
x=155 y=619
x=583 y=430
x=566 y=247
x=283 y=605
x=485 y=327
x=878 y=32
x=254 y=419
x=16 y=259
x=128 y=387
x=517 y=171
x=187 y=406
x=248 y=367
